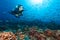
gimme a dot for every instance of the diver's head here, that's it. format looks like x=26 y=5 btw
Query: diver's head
x=20 y=7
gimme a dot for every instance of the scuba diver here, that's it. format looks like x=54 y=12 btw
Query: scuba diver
x=17 y=11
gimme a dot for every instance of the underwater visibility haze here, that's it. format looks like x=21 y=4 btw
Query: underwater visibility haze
x=34 y=11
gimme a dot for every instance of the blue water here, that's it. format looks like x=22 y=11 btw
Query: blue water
x=48 y=11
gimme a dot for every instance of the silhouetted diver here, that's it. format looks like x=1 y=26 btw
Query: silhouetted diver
x=17 y=11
